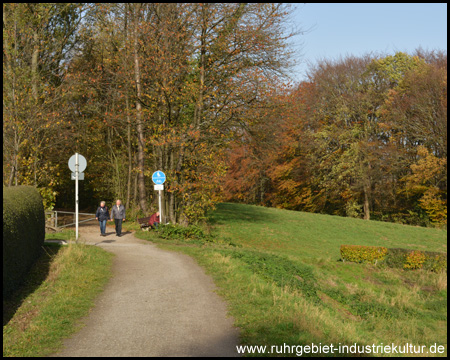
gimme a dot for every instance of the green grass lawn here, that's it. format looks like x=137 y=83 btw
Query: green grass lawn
x=281 y=274
x=307 y=236
x=59 y=290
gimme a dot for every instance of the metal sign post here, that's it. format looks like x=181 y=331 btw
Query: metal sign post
x=77 y=163
x=160 y=208
x=159 y=178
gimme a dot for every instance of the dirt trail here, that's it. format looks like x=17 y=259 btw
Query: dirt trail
x=157 y=303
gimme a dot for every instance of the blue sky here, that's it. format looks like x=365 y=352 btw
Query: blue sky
x=357 y=29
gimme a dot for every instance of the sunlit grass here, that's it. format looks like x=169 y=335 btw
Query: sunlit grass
x=262 y=277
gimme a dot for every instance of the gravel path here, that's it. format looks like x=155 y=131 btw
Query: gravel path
x=157 y=303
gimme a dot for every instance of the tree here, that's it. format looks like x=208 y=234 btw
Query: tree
x=214 y=59
x=428 y=179
x=37 y=43
x=136 y=88
x=348 y=139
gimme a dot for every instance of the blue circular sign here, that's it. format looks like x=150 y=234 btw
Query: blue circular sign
x=158 y=177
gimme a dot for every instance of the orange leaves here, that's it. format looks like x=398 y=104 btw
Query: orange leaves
x=428 y=175
x=429 y=170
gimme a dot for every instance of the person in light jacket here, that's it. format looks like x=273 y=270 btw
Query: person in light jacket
x=102 y=215
x=118 y=214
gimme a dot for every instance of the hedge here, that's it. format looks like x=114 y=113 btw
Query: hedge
x=360 y=253
x=415 y=259
x=395 y=258
x=23 y=233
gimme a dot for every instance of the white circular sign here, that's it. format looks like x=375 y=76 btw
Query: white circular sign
x=81 y=163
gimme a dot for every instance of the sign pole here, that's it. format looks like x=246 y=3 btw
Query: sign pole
x=159 y=178
x=76 y=196
x=77 y=164
x=160 y=213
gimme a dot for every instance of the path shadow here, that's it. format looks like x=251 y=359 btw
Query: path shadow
x=113 y=233
x=113 y=237
x=106 y=241
x=34 y=278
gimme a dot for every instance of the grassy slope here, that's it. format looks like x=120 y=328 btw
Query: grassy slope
x=306 y=236
x=285 y=284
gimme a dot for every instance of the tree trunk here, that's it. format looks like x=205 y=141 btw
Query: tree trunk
x=14 y=162
x=135 y=193
x=10 y=60
x=199 y=106
x=130 y=157
x=16 y=157
x=139 y=127
x=366 y=203
x=171 y=199
x=34 y=67
x=11 y=177
x=127 y=104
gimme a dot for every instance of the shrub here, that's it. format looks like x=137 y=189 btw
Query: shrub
x=435 y=262
x=396 y=257
x=352 y=209
x=414 y=260
x=190 y=232
x=361 y=253
x=23 y=233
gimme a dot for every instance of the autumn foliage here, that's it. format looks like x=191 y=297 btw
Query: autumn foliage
x=200 y=91
x=363 y=137
x=360 y=253
x=135 y=88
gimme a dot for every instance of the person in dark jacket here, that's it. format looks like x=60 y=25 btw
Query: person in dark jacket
x=154 y=220
x=118 y=214
x=102 y=215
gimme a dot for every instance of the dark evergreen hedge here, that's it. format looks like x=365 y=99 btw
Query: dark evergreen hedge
x=23 y=233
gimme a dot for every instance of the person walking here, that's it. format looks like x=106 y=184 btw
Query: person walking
x=118 y=214
x=102 y=215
